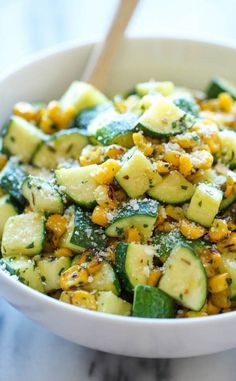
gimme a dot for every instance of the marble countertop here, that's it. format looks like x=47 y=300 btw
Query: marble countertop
x=27 y=351
x=30 y=353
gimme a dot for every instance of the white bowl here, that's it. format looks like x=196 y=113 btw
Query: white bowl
x=188 y=63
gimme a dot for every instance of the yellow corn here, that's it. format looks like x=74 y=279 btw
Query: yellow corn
x=191 y=314
x=226 y=102
x=54 y=111
x=73 y=277
x=172 y=157
x=154 y=277
x=47 y=125
x=114 y=151
x=63 y=252
x=162 y=167
x=106 y=172
x=190 y=230
x=3 y=160
x=143 y=144
x=187 y=140
x=219 y=230
x=167 y=226
x=211 y=260
x=174 y=212
x=218 y=283
x=91 y=155
x=66 y=296
x=161 y=216
x=105 y=197
x=202 y=159
x=99 y=216
x=229 y=186
x=212 y=309
x=27 y=111
x=120 y=195
x=133 y=235
x=57 y=224
x=94 y=265
x=84 y=299
x=228 y=244
x=221 y=299
x=185 y=165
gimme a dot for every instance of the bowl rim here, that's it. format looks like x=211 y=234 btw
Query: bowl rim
x=51 y=302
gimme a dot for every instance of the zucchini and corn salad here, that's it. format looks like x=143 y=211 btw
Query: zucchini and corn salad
x=125 y=206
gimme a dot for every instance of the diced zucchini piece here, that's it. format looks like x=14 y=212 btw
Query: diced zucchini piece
x=81 y=95
x=11 y=180
x=151 y=302
x=204 y=204
x=26 y=271
x=164 y=88
x=42 y=195
x=163 y=118
x=21 y=138
x=59 y=147
x=85 y=117
x=23 y=235
x=133 y=264
x=184 y=278
x=164 y=243
x=111 y=127
x=50 y=268
x=81 y=233
x=104 y=280
x=141 y=214
x=228 y=147
x=78 y=184
x=110 y=303
x=221 y=85
x=173 y=189
x=135 y=173
x=227 y=201
x=228 y=264
x=7 y=210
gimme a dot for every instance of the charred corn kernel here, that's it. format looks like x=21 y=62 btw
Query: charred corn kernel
x=219 y=230
x=226 y=102
x=57 y=224
x=154 y=277
x=221 y=299
x=201 y=159
x=229 y=244
x=91 y=155
x=120 y=195
x=105 y=197
x=94 y=265
x=210 y=105
x=63 y=252
x=218 y=283
x=191 y=314
x=187 y=140
x=143 y=144
x=211 y=261
x=174 y=212
x=106 y=172
x=3 y=160
x=133 y=235
x=159 y=149
x=190 y=230
x=231 y=224
x=212 y=309
x=167 y=226
x=66 y=296
x=99 y=216
x=161 y=215
x=114 y=151
x=73 y=277
x=84 y=299
x=172 y=157
x=185 y=165
x=28 y=209
x=47 y=125
x=229 y=186
x=162 y=167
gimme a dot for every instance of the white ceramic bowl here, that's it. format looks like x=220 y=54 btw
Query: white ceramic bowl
x=187 y=63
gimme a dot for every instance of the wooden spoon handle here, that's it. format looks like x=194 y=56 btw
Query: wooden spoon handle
x=97 y=69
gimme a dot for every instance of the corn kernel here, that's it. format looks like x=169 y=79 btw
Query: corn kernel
x=218 y=283
x=228 y=244
x=63 y=252
x=185 y=165
x=172 y=157
x=84 y=299
x=211 y=261
x=66 y=296
x=161 y=216
x=47 y=125
x=3 y=160
x=187 y=140
x=105 y=197
x=27 y=111
x=143 y=144
x=94 y=265
x=154 y=277
x=221 y=299
x=73 y=277
x=162 y=167
x=133 y=235
x=91 y=155
x=225 y=102
x=114 y=151
x=229 y=186
x=167 y=226
x=99 y=216
x=174 y=212
x=190 y=230
x=191 y=314
x=212 y=309
x=106 y=172
x=57 y=224
x=54 y=111
x=219 y=230
x=202 y=159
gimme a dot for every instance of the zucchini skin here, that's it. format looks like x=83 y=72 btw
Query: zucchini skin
x=85 y=117
x=11 y=180
x=120 y=257
x=151 y=302
x=220 y=85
